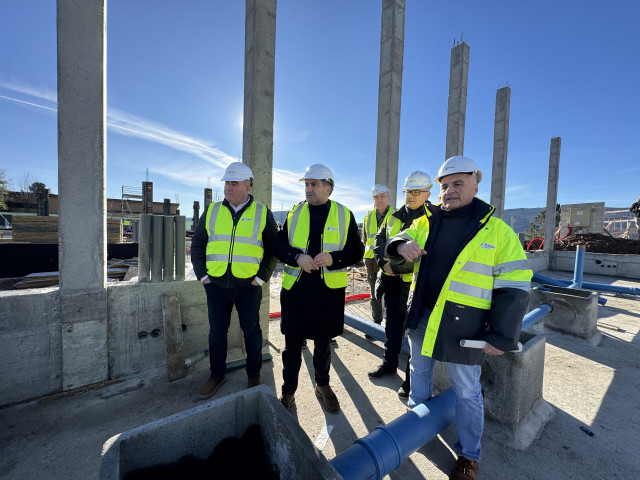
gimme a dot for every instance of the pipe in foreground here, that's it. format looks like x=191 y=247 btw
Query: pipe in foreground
x=384 y=449
x=181 y=233
x=144 y=248
x=535 y=315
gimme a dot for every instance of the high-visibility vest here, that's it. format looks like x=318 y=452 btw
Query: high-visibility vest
x=334 y=238
x=371 y=227
x=394 y=225
x=239 y=245
x=493 y=258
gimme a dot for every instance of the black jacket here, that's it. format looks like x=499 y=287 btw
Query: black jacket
x=199 y=246
x=310 y=309
x=635 y=208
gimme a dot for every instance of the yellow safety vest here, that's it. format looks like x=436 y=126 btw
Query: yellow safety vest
x=494 y=258
x=334 y=238
x=393 y=228
x=371 y=227
x=239 y=245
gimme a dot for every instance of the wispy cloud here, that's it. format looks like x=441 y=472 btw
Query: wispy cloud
x=25 y=88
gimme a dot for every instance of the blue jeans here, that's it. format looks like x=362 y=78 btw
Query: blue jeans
x=220 y=302
x=466 y=385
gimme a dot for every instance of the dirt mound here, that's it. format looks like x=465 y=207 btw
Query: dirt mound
x=598 y=243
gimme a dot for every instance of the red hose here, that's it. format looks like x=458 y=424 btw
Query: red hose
x=351 y=298
x=533 y=240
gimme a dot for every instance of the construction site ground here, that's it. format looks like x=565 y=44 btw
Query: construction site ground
x=597 y=387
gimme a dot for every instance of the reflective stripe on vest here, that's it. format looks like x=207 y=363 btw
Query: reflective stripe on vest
x=240 y=245
x=334 y=238
x=371 y=220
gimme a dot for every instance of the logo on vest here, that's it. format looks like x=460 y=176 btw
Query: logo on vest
x=488 y=245
x=245 y=219
x=332 y=229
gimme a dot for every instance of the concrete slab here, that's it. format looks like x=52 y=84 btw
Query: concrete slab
x=591 y=386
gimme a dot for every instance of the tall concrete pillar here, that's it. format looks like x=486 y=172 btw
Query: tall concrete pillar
x=259 y=73
x=81 y=28
x=457 y=107
x=390 y=95
x=500 y=146
x=552 y=193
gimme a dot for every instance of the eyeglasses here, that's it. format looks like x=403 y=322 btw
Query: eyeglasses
x=415 y=193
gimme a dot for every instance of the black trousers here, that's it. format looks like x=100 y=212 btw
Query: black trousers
x=395 y=297
x=292 y=361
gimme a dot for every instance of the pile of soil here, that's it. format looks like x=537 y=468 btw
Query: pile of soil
x=599 y=243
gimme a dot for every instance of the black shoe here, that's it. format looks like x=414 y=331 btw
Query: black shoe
x=403 y=391
x=382 y=370
x=369 y=337
x=333 y=341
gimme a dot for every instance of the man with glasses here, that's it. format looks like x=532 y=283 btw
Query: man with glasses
x=372 y=222
x=472 y=282
x=395 y=280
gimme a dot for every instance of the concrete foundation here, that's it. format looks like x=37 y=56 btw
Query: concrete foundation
x=34 y=336
x=575 y=311
x=621 y=266
x=197 y=431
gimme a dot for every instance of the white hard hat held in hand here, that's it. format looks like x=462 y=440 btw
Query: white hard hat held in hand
x=318 y=171
x=458 y=164
x=237 y=172
x=416 y=181
x=378 y=189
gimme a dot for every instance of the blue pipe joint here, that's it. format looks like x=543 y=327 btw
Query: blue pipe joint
x=535 y=315
x=384 y=449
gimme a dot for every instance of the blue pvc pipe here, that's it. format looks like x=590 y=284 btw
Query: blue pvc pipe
x=370 y=328
x=578 y=269
x=536 y=314
x=384 y=449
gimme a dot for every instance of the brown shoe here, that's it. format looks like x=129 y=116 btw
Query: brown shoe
x=464 y=469
x=210 y=387
x=253 y=381
x=329 y=399
x=288 y=400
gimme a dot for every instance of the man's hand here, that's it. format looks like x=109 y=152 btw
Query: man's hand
x=323 y=259
x=410 y=250
x=491 y=350
x=206 y=281
x=306 y=263
x=387 y=269
x=253 y=282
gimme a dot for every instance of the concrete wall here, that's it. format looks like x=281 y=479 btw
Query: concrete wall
x=31 y=356
x=622 y=266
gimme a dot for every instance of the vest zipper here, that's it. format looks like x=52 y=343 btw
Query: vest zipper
x=233 y=236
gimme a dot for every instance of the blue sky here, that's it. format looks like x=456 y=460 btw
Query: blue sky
x=175 y=85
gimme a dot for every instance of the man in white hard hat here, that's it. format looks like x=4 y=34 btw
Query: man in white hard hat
x=232 y=254
x=472 y=282
x=395 y=280
x=372 y=222
x=317 y=243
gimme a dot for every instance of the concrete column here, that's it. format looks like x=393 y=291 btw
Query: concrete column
x=552 y=193
x=81 y=28
x=390 y=95
x=500 y=146
x=457 y=108
x=259 y=73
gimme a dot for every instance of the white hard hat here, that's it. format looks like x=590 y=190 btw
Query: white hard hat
x=417 y=180
x=318 y=171
x=236 y=172
x=378 y=189
x=458 y=164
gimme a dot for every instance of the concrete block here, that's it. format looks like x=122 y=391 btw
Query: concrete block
x=198 y=430
x=575 y=311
